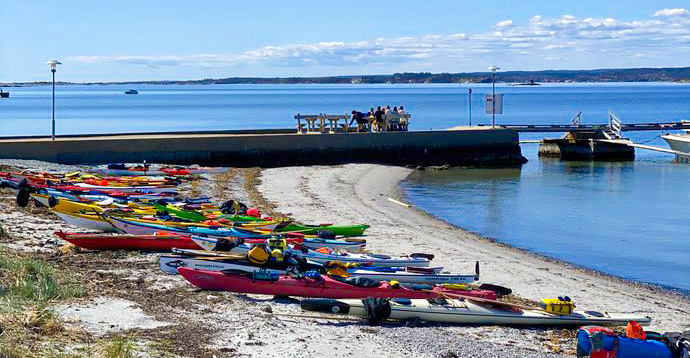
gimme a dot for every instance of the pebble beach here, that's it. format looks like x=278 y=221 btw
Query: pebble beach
x=127 y=294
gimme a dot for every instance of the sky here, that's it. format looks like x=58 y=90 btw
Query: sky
x=178 y=40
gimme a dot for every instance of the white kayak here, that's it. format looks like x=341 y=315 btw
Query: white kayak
x=418 y=260
x=353 y=245
x=469 y=311
x=86 y=221
x=170 y=263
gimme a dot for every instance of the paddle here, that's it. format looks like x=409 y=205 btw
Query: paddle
x=489 y=301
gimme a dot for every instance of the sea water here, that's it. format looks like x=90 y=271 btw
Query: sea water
x=629 y=219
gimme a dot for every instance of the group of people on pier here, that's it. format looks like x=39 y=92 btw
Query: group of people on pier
x=381 y=119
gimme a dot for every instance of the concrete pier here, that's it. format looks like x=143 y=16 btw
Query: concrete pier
x=266 y=148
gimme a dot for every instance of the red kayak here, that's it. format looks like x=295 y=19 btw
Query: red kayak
x=161 y=241
x=156 y=242
x=323 y=287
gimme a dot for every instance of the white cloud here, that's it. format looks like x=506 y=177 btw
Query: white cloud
x=558 y=39
x=506 y=23
x=672 y=12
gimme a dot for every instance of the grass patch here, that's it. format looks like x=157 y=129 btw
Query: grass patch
x=118 y=347
x=24 y=279
x=28 y=287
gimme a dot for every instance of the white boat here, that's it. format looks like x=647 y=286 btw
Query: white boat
x=679 y=143
x=469 y=311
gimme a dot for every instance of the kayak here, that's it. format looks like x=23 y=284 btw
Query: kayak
x=129 y=171
x=412 y=275
x=362 y=259
x=344 y=230
x=196 y=216
x=170 y=263
x=130 y=189
x=86 y=221
x=194 y=170
x=324 y=286
x=157 y=242
x=468 y=311
x=210 y=243
x=137 y=226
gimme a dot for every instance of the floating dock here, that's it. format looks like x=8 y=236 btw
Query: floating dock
x=276 y=147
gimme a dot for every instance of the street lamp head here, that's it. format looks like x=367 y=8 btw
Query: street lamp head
x=494 y=68
x=53 y=64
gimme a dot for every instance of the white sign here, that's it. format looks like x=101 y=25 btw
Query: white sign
x=491 y=106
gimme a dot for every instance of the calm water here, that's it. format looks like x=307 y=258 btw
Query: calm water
x=628 y=219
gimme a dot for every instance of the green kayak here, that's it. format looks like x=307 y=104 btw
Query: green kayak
x=343 y=230
x=196 y=216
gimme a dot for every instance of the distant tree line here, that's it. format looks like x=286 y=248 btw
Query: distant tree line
x=681 y=74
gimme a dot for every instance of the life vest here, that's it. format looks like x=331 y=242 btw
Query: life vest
x=634 y=330
x=258 y=255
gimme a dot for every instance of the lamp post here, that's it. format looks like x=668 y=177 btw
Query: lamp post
x=493 y=95
x=53 y=67
x=469 y=101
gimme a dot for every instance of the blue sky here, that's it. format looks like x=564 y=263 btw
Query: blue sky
x=154 y=40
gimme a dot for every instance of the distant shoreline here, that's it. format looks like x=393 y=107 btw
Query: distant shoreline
x=680 y=75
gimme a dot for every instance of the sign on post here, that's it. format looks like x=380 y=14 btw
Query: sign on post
x=490 y=105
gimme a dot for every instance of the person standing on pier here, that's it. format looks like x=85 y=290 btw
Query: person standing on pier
x=378 y=115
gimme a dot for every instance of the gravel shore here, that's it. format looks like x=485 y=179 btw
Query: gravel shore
x=213 y=324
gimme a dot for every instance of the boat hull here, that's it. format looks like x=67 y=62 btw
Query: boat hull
x=170 y=263
x=468 y=312
x=85 y=221
x=129 y=242
x=680 y=143
x=324 y=287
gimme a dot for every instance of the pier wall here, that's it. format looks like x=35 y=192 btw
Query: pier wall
x=246 y=149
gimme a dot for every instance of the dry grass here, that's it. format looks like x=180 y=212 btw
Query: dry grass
x=220 y=185
x=28 y=287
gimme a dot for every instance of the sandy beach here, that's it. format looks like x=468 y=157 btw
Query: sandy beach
x=166 y=308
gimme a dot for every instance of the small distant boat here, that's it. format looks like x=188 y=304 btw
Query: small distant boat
x=4 y=94
x=131 y=91
x=530 y=83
